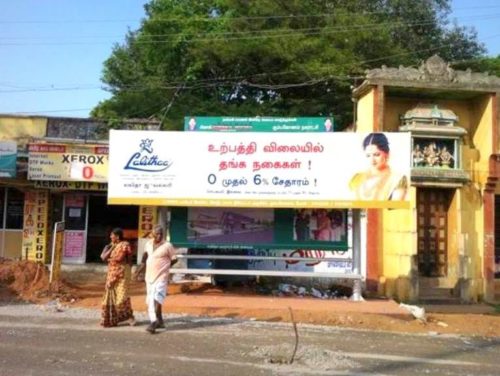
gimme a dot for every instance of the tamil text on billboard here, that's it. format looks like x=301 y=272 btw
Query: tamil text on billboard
x=245 y=169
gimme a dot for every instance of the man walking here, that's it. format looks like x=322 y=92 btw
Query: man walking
x=158 y=257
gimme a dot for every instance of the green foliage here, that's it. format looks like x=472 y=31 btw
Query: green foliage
x=267 y=57
x=490 y=65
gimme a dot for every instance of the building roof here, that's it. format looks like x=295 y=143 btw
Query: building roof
x=435 y=74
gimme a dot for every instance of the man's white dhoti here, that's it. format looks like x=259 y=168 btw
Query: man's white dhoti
x=155 y=291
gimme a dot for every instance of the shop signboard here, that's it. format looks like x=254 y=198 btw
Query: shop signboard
x=147 y=220
x=258 y=124
x=8 y=157
x=35 y=226
x=71 y=185
x=259 y=170
x=68 y=162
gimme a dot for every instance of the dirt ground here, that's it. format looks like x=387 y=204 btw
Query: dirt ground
x=30 y=282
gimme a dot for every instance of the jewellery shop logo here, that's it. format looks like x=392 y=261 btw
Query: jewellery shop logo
x=146 y=160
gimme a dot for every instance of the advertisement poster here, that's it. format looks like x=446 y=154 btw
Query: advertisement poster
x=258 y=124
x=335 y=261
x=66 y=162
x=74 y=243
x=259 y=228
x=319 y=225
x=273 y=170
x=230 y=226
x=8 y=157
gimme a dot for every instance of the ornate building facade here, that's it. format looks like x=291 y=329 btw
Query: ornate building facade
x=446 y=246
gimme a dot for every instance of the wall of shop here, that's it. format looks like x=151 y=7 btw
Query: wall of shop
x=21 y=128
x=399 y=249
x=365 y=111
x=11 y=222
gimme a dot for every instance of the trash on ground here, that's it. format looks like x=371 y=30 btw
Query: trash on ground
x=417 y=312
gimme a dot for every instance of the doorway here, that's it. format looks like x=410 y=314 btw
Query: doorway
x=103 y=218
x=432 y=228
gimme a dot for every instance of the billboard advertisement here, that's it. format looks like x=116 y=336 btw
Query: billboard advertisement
x=262 y=228
x=258 y=124
x=273 y=170
x=8 y=157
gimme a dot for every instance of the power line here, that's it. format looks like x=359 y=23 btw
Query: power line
x=263 y=31
x=243 y=80
x=236 y=35
x=216 y=81
x=218 y=18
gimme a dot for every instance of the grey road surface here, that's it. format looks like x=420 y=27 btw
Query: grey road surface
x=55 y=340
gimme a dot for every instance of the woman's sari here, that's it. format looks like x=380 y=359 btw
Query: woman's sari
x=116 y=306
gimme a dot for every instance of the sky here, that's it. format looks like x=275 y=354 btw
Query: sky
x=52 y=51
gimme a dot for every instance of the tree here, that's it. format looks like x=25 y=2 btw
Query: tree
x=264 y=57
x=490 y=65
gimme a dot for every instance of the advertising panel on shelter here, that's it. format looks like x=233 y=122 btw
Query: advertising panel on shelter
x=67 y=162
x=8 y=157
x=258 y=124
x=333 y=261
x=202 y=227
x=259 y=169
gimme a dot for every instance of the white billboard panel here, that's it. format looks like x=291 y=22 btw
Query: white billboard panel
x=289 y=170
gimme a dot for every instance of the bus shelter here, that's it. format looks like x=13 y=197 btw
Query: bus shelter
x=288 y=191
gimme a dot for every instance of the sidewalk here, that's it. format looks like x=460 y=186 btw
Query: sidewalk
x=200 y=295
x=84 y=288
x=226 y=300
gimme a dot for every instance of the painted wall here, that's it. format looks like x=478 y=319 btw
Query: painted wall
x=399 y=246
x=482 y=139
x=481 y=136
x=455 y=239
x=471 y=237
x=22 y=129
x=364 y=112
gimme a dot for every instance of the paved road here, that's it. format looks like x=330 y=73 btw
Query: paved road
x=39 y=340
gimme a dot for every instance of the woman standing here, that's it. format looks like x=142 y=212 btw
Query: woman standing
x=378 y=182
x=116 y=306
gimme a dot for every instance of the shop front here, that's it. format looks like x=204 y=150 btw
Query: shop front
x=69 y=185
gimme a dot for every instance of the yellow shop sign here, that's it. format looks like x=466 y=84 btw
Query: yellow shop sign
x=71 y=185
x=67 y=162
